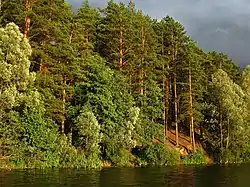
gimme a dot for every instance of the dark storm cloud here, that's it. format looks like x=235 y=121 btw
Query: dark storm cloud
x=222 y=25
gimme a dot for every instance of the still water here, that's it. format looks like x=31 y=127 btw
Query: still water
x=209 y=176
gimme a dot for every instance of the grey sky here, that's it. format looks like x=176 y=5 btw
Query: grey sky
x=221 y=25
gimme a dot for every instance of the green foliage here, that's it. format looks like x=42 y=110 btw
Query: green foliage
x=104 y=92
x=32 y=139
x=105 y=85
x=12 y=11
x=233 y=107
x=88 y=132
x=158 y=154
x=40 y=140
x=70 y=157
x=14 y=65
x=115 y=35
x=84 y=30
x=197 y=158
x=119 y=156
x=118 y=150
x=53 y=55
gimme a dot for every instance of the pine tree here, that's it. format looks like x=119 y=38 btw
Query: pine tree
x=144 y=60
x=84 y=30
x=53 y=54
x=145 y=88
x=195 y=83
x=115 y=34
x=176 y=39
x=13 y=11
x=163 y=72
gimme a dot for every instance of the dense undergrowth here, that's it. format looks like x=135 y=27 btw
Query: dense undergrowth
x=66 y=156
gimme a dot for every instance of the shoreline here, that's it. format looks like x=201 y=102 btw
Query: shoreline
x=11 y=168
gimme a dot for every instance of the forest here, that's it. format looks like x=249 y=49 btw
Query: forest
x=105 y=87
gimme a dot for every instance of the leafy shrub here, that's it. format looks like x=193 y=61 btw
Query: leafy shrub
x=69 y=155
x=40 y=140
x=194 y=158
x=88 y=132
x=118 y=155
x=157 y=154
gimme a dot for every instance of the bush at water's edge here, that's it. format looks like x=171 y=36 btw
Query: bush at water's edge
x=153 y=155
x=197 y=158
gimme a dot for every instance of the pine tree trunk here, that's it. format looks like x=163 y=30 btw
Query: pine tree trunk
x=192 y=135
x=166 y=90
x=166 y=104
x=63 y=106
x=221 y=134
x=52 y=3
x=121 y=48
x=164 y=111
x=201 y=131
x=141 y=82
x=27 y=19
x=164 y=87
x=170 y=101
x=228 y=136
x=190 y=106
x=41 y=60
x=221 y=127
x=176 y=111
x=130 y=83
x=174 y=54
x=228 y=132
x=71 y=36
x=142 y=61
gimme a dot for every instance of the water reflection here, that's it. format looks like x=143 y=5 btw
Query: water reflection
x=49 y=178
x=210 y=176
x=181 y=177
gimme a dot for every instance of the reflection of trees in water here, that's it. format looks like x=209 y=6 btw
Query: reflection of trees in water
x=210 y=176
x=224 y=176
x=117 y=177
x=82 y=178
x=49 y=178
x=235 y=175
x=241 y=175
x=7 y=178
x=29 y=178
x=149 y=177
x=181 y=177
x=136 y=177
x=213 y=176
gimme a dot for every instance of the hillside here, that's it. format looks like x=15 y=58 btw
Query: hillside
x=185 y=147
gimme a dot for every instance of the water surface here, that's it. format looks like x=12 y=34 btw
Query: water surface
x=209 y=176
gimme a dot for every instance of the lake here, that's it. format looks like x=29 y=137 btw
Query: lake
x=208 y=176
